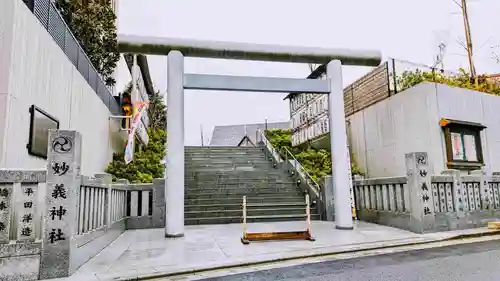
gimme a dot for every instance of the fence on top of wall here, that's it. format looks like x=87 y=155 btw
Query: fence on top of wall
x=50 y=18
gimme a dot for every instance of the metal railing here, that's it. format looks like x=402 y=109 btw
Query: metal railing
x=274 y=153
x=284 y=155
x=301 y=170
x=48 y=15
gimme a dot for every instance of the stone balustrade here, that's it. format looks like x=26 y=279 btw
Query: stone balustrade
x=427 y=203
x=54 y=220
x=146 y=205
x=20 y=223
x=93 y=205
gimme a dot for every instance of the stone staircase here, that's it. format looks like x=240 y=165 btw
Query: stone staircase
x=217 y=178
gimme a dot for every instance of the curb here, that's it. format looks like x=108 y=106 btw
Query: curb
x=246 y=264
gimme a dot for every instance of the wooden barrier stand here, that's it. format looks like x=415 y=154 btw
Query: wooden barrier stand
x=268 y=236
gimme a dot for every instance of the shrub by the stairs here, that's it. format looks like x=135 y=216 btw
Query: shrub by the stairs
x=317 y=162
x=147 y=163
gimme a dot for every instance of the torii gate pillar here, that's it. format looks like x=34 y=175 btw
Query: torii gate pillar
x=174 y=183
x=177 y=81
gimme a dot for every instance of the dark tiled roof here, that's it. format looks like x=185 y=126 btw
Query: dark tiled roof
x=231 y=135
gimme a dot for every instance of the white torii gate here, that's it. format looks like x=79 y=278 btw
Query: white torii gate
x=177 y=81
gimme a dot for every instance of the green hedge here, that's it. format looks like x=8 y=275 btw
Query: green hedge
x=408 y=79
x=147 y=163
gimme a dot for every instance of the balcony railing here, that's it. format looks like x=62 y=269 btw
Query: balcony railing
x=46 y=12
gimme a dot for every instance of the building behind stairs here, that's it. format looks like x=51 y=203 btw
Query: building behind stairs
x=389 y=115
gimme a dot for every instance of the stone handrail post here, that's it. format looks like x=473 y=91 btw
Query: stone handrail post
x=485 y=190
x=459 y=192
x=106 y=179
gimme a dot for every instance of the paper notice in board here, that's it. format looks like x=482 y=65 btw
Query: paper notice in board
x=470 y=147
x=457 y=146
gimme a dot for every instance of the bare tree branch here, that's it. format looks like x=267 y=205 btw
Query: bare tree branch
x=462 y=43
x=458 y=4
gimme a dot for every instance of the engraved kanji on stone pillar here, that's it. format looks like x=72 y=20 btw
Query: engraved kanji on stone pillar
x=26 y=212
x=61 y=204
x=5 y=211
x=421 y=199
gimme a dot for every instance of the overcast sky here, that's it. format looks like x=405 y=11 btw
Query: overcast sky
x=405 y=29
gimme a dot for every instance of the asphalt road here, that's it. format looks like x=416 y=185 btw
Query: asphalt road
x=469 y=262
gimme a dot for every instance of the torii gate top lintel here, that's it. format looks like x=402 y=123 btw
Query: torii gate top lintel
x=246 y=51
x=178 y=81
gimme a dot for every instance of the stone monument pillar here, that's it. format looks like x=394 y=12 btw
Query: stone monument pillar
x=61 y=204
x=421 y=199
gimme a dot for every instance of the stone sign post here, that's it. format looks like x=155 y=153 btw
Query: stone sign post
x=26 y=207
x=61 y=204
x=5 y=212
x=421 y=199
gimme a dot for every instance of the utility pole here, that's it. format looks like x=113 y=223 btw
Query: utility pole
x=468 y=38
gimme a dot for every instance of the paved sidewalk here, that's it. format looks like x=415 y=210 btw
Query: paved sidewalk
x=145 y=253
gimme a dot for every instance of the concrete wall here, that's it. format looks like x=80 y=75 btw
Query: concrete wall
x=409 y=121
x=34 y=70
x=466 y=105
x=383 y=133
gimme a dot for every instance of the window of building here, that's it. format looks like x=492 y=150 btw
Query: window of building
x=325 y=124
x=463 y=144
x=40 y=124
x=321 y=105
x=294 y=103
x=317 y=128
